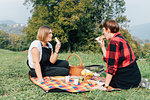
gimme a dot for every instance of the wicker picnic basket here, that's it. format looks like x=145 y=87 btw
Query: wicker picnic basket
x=75 y=70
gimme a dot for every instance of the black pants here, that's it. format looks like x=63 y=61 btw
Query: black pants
x=60 y=68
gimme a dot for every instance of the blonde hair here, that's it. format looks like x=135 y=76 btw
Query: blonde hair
x=43 y=32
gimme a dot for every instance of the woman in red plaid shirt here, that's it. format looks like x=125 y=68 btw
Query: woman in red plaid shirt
x=122 y=70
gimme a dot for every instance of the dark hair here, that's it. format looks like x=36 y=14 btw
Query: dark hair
x=112 y=25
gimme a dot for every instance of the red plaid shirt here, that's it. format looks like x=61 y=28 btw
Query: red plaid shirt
x=119 y=54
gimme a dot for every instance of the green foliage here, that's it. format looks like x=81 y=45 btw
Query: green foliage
x=13 y=42
x=3 y=39
x=139 y=50
x=78 y=22
x=146 y=51
x=39 y=18
x=75 y=22
x=18 y=43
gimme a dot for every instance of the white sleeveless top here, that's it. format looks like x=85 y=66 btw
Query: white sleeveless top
x=37 y=44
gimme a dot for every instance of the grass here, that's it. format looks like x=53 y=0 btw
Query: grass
x=15 y=85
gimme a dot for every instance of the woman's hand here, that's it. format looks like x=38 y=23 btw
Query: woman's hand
x=102 y=38
x=57 y=47
x=102 y=44
x=53 y=57
x=41 y=80
x=103 y=88
x=108 y=79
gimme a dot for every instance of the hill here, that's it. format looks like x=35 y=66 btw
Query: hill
x=141 y=31
x=7 y=22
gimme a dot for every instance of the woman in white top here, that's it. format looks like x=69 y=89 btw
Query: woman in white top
x=41 y=59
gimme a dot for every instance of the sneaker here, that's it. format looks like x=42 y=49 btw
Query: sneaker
x=144 y=83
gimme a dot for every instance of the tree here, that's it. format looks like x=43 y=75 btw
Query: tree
x=75 y=22
x=3 y=40
x=13 y=41
x=146 y=51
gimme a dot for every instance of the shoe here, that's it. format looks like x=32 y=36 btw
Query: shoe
x=144 y=83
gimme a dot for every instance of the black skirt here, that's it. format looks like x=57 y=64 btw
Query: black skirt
x=126 y=77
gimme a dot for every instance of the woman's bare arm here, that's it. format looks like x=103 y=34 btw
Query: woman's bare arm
x=36 y=56
x=108 y=79
x=103 y=45
x=54 y=56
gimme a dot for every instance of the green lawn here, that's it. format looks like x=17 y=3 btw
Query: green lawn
x=14 y=82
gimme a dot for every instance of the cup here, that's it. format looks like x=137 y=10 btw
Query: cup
x=76 y=81
x=67 y=79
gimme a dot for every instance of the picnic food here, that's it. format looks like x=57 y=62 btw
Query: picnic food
x=100 y=39
x=57 y=40
x=86 y=72
x=88 y=77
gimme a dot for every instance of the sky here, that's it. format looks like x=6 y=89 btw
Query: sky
x=14 y=10
x=138 y=11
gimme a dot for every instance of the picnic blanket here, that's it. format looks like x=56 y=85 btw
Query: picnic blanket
x=50 y=84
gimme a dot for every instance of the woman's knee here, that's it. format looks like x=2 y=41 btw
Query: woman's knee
x=66 y=62
x=63 y=71
x=57 y=71
x=62 y=63
x=66 y=72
